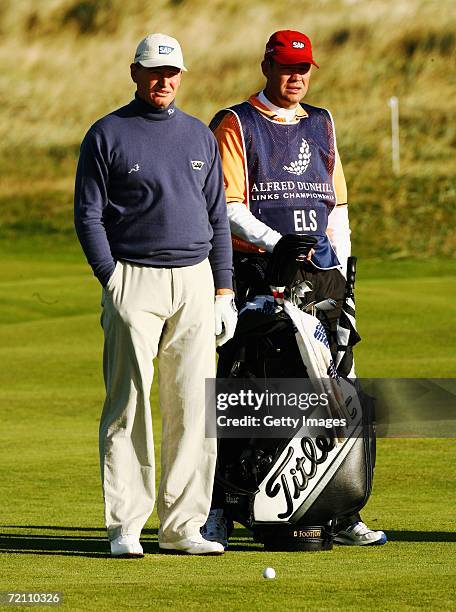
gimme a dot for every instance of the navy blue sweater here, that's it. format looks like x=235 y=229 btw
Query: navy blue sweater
x=149 y=190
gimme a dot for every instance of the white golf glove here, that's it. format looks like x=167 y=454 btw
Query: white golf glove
x=225 y=318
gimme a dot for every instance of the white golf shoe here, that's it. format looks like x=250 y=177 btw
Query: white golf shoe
x=359 y=534
x=126 y=547
x=194 y=545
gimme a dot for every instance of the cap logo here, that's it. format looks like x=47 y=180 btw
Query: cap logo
x=298 y=44
x=165 y=50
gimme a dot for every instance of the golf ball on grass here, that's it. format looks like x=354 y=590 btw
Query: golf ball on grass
x=269 y=573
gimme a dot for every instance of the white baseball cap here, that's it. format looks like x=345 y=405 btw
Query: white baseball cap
x=159 y=50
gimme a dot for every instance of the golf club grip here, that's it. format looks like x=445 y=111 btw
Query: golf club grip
x=351 y=276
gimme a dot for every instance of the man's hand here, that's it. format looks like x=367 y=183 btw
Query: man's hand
x=225 y=316
x=307 y=257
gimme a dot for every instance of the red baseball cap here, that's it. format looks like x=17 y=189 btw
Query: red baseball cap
x=289 y=47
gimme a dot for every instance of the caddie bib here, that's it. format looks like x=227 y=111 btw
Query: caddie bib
x=289 y=170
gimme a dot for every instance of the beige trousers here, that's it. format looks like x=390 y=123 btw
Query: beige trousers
x=169 y=314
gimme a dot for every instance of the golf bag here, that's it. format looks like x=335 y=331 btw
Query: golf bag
x=290 y=492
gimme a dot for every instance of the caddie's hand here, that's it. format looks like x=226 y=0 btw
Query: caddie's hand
x=308 y=257
x=225 y=318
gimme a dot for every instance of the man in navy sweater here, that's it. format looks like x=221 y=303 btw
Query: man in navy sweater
x=150 y=213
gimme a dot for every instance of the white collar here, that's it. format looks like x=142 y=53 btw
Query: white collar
x=288 y=114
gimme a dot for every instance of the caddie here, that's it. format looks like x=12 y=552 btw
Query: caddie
x=283 y=175
x=150 y=214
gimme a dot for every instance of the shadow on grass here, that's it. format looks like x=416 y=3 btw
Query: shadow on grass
x=241 y=539
x=421 y=536
x=56 y=528
x=67 y=545
x=88 y=545
x=97 y=546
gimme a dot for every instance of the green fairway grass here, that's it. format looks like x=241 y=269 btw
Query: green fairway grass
x=51 y=521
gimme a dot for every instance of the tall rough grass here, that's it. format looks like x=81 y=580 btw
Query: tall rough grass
x=64 y=63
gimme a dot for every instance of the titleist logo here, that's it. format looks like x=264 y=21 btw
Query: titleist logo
x=291 y=479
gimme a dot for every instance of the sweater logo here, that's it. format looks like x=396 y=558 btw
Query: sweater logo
x=196 y=164
x=299 y=166
x=134 y=169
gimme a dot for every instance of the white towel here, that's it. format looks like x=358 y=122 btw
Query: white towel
x=314 y=348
